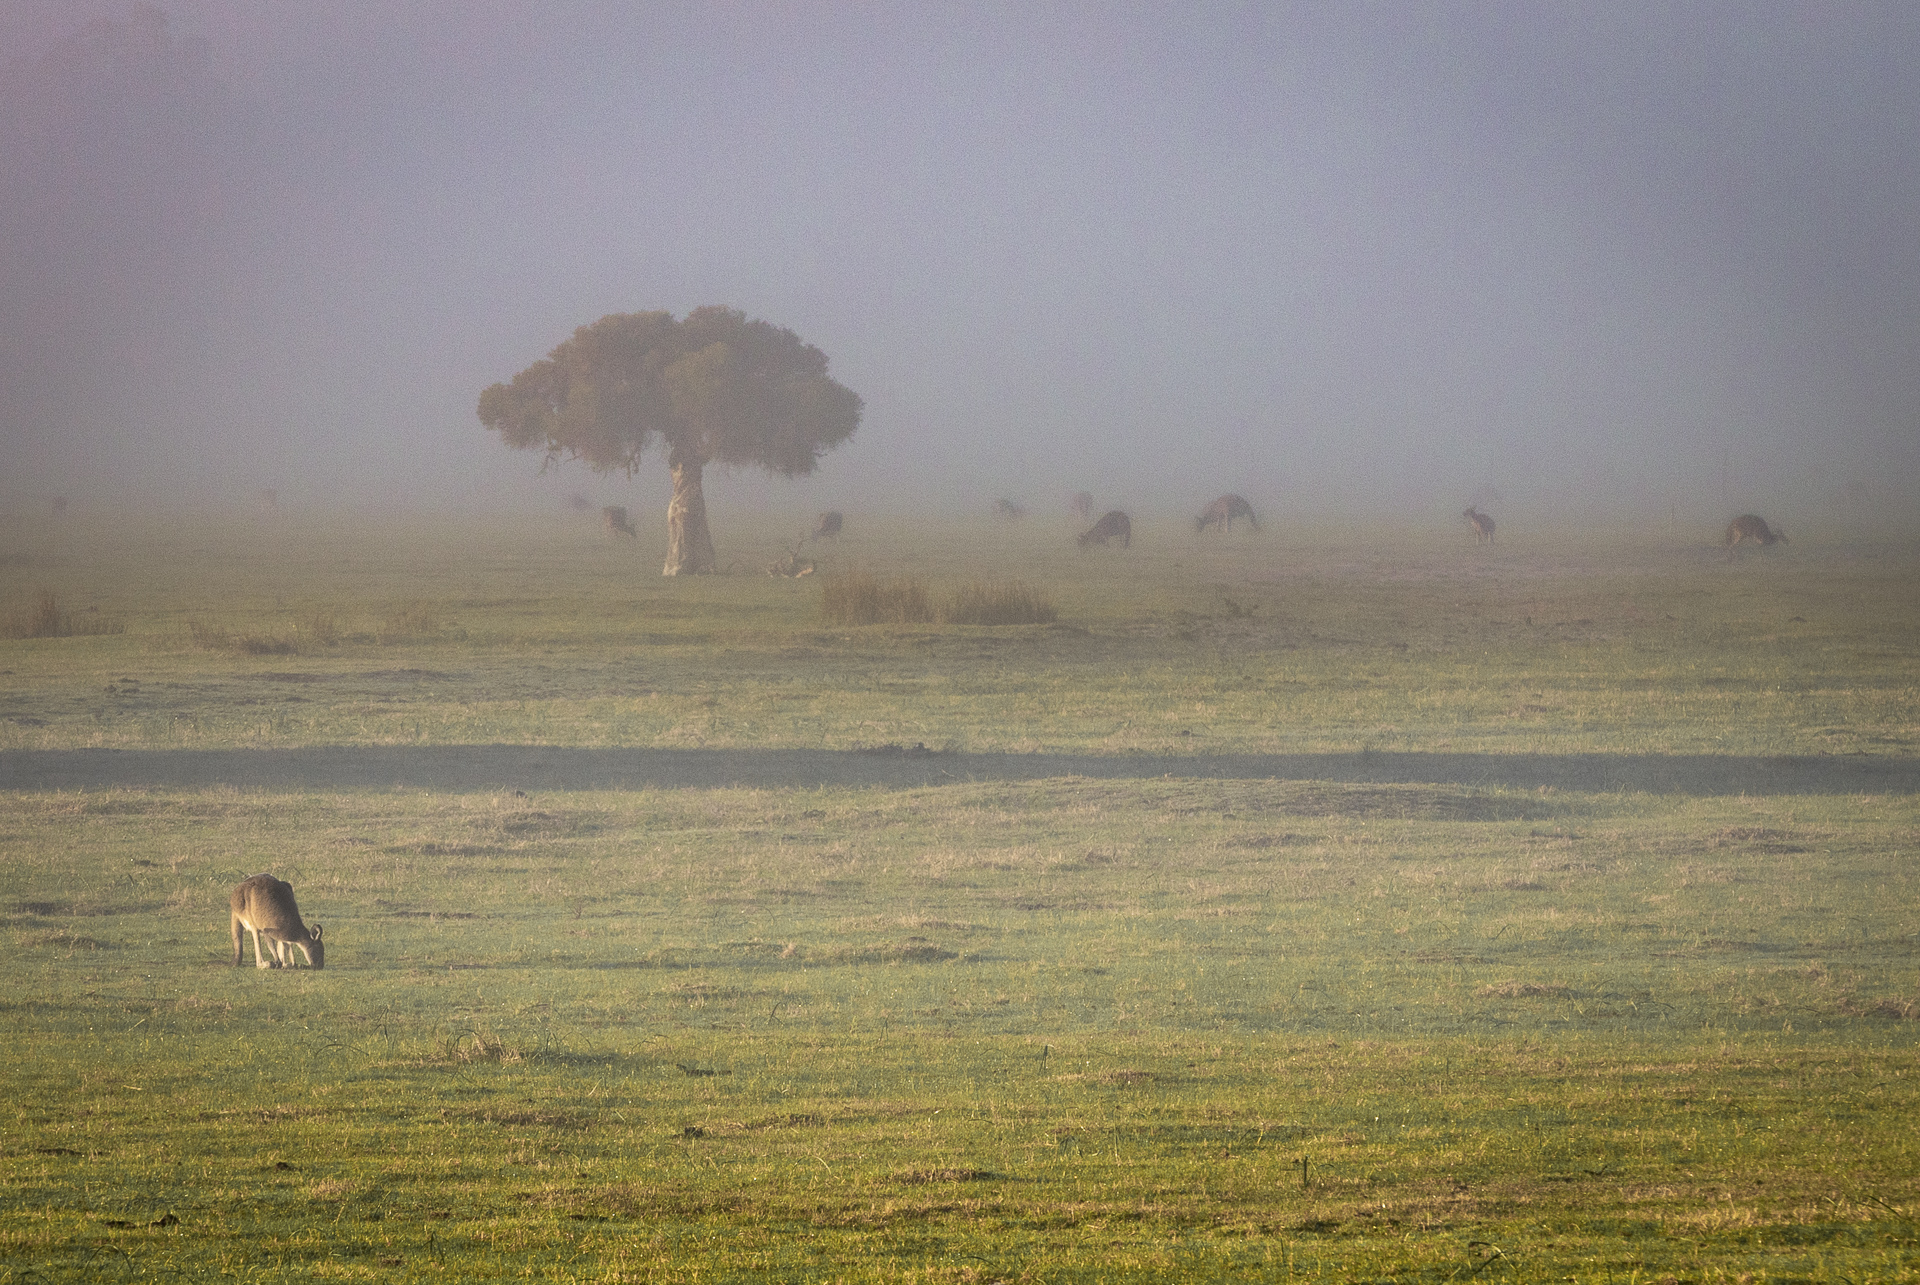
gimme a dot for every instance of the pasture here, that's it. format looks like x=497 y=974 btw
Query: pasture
x=1336 y=904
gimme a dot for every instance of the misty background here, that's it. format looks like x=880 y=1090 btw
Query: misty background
x=1611 y=258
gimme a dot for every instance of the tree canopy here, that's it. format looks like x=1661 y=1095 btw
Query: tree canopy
x=713 y=388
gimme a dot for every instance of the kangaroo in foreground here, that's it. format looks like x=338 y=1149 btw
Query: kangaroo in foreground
x=1222 y=512
x=1749 y=526
x=264 y=907
x=1111 y=525
x=1481 y=523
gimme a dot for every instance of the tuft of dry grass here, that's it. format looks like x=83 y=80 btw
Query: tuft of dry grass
x=860 y=598
x=214 y=639
x=413 y=619
x=1524 y=990
x=43 y=617
x=323 y=626
x=476 y=1045
x=998 y=602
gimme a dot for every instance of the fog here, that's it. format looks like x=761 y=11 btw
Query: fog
x=1592 y=259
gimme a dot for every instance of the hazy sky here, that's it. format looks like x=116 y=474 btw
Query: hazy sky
x=1332 y=256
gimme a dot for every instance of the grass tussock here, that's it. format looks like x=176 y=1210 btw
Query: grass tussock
x=860 y=598
x=1524 y=990
x=998 y=602
x=412 y=620
x=476 y=1045
x=43 y=617
x=61 y=939
x=212 y=638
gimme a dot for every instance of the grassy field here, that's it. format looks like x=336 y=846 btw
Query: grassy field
x=1159 y=1011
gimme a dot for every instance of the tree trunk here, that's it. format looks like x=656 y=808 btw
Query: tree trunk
x=689 y=545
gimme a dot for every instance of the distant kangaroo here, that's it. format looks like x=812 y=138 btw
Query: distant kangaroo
x=1222 y=512
x=1111 y=525
x=614 y=518
x=1008 y=511
x=1481 y=523
x=264 y=907
x=1749 y=526
x=828 y=525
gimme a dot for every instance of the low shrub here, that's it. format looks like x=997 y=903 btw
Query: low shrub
x=323 y=626
x=214 y=639
x=414 y=618
x=999 y=602
x=43 y=617
x=859 y=598
x=410 y=621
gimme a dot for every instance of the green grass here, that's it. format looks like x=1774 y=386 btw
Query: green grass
x=1294 y=642
x=1067 y=1029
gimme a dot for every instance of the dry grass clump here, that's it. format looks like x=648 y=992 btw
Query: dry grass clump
x=918 y=1177
x=61 y=939
x=998 y=602
x=43 y=617
x=859 y=598
x=475 y=1045
x=323 y=626
x=215 y=639
x=1524 y=990
x=412 y=620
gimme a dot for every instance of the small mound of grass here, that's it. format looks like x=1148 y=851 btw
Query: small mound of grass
x=61 y=939
x=999 y=602
x=323 y=626
x=43 y=617
x=215 y=639
x=860 y=598
x=921 y=1177
x=891 y=953
x=1524 y=990
x=414 y=618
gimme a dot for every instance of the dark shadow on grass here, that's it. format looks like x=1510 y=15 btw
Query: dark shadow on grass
x=474 y=768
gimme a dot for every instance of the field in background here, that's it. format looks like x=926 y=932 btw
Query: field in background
x=283 y=633
x=1071 y=1028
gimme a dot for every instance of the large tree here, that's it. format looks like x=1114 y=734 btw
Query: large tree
x=714 y=388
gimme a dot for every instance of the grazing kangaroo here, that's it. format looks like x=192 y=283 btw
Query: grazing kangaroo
x=1749 y=526
x=614 y=518
x=1008 y=511
x=1222 y=512
x=828 y=525
x=793 y=565
x=1112 y=524
x=1481 y=523
x=1080 y=506
x=264 y=907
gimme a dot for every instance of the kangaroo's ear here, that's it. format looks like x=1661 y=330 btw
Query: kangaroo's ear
x=315 y=932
